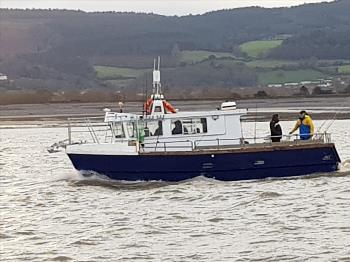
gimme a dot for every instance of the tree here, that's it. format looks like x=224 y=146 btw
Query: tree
x=347 y=90
x=175 y=52
x=304 y=91
x=261 y=94
x=317 y=91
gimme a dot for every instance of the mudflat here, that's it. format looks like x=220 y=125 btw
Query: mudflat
x=261 y=109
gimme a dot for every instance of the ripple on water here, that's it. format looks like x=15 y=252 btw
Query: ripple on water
x=61 y=258
x=49 y=212
x=269 y=195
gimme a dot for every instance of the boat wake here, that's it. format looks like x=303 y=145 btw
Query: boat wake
x=91 y=178
x=345 y=167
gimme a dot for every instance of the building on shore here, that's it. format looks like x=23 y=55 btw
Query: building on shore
x=3 y=77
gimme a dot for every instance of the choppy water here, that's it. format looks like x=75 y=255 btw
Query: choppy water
x=50 y=213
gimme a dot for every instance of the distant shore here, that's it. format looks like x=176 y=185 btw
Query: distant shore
x=56 y=114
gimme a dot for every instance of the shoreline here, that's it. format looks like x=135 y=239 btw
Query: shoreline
x=56 y=114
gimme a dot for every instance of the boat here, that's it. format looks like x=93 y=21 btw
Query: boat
x=165 y=144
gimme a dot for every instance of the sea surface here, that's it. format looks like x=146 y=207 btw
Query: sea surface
x=49 y=212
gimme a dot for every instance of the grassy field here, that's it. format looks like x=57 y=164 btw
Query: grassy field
x=200 y=55
x=345 y=69
x=270 y=63
x=264 y=64
x=119 y=82
x=281 y=76
x=108 y=72
x=268 y=71
x=335 y=61
x=256 y=49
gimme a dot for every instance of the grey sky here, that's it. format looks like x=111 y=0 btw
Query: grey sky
x=166 y=7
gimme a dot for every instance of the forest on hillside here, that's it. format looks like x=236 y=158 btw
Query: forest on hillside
x=61 y=49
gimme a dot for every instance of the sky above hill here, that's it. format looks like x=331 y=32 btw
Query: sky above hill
x=164 y=7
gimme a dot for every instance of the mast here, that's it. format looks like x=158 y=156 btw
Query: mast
x=156 y=104
x=157 y=87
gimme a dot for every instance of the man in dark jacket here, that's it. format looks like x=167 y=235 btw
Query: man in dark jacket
x=276 y=130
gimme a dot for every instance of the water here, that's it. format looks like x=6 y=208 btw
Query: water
x=48 y=212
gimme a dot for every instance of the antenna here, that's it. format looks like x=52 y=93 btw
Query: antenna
x=144 y=94
x=256 y=116
x=154 y=69
x=156 y=78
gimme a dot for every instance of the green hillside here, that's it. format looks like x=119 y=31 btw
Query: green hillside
x=282 y=76
x=345 y=69
x=62 y=49
x=109 y=72
x=270 y=63
x=257 y=49
x=200 y=55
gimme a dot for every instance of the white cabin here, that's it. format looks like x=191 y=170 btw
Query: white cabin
x=178 y=132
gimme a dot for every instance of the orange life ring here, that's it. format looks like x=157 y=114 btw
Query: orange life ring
x=169 y=107
x=148 y=106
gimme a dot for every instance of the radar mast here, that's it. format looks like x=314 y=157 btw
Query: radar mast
x=156 y=104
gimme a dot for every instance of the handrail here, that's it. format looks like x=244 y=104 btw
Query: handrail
x=93 y=135
x=240 y=142
x=321 y=137
x=83 y=118
x=104 y=132
x=86 y=126
x=168 y=145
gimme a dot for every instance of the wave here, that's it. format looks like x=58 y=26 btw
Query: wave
x=91 y=178
x=345 y=167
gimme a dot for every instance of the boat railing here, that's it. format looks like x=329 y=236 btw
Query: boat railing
x=165 y=146
x=317 y=138
x=89 y=129
x=95 y=130
x=222 y=144
x=83 y=130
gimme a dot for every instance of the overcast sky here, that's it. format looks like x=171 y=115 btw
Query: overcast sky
x=165 y=7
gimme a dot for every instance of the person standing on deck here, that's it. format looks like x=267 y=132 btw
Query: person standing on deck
x=159 y=130
x=305 y=126
x=275 y=128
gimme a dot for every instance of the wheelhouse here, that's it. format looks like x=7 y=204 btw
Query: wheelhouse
x=194 y=129
x=182 y=130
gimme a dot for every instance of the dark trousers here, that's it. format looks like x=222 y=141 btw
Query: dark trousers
x=276 y=139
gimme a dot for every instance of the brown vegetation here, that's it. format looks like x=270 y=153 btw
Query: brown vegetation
x=45 y=96
x=72 y=96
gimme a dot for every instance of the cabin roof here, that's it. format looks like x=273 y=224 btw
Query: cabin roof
x=120 y=117
x=189 y=114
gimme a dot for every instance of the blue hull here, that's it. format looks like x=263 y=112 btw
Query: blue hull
x=222 y=165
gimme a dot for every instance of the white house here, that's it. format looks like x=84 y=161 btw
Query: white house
x=3 y=77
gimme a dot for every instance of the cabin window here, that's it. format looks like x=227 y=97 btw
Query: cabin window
x=153 y=128
x=189 y=126
x=118 y=130
x=158 y=109
x=130 y=129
